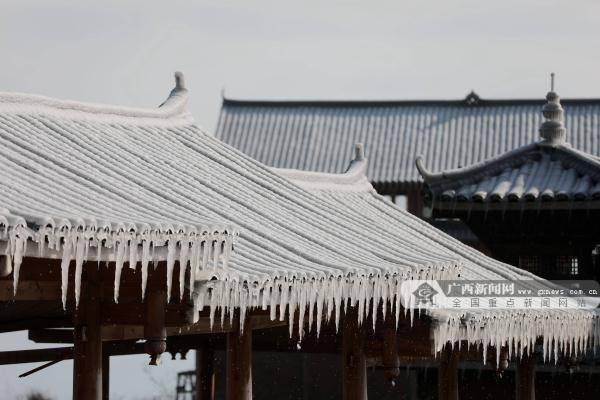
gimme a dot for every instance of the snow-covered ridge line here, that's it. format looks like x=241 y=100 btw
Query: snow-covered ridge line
x=315 y=300
x=205 y=248
x=353 y=180
x=570 y=333
x=172 y=112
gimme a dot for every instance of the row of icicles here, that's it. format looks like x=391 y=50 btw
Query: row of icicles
x=201 y=252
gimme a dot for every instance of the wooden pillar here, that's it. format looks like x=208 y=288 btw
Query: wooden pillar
x=354 y=361
x=105 y=375
x=526 y=378
x=155 y=331
x=448 y=375
x=413 y=385
x=205 y=375
x=389 y=352
x=87 y=354
x=239 y=362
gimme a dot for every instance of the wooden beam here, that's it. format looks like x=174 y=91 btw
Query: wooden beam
x=35 y=323
x=65 y=353
x=525 y=382
x=87 y=365
x=51 y=335
x=448 y=374
x=30 y=291
x=115 y=332
x=354 y=360
x=239 y=363
x=37 y=355
x=205 y=374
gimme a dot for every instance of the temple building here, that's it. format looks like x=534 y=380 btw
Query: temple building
x=524 y=201
x=317 y=135
x=536 y=206
x=124 y=224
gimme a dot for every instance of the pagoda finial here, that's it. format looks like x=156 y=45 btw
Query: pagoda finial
x=552 y=129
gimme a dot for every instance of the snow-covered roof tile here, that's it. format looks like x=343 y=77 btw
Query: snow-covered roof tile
x=77 y=176
x=563 y=330
x=318 y=135
x=546 y=170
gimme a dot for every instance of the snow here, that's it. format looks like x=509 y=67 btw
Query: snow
x=571 y=331
x=100 y=183
x=71 y=241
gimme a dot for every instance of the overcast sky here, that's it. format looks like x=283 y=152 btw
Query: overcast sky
x=126 y=54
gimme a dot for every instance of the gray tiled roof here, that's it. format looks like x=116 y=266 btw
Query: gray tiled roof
x=549 y=169
x=539 y=173
x=318 y=135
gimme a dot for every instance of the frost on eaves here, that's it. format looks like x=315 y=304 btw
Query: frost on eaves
x=122 y=245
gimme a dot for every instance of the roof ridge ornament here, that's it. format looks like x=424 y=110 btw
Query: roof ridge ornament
x=178 y=96
x=552 y=130
x=472 y=99
x=359 y=152
x=179 y=81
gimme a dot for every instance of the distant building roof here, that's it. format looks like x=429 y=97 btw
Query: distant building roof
x=317 y=135
x=546 y=170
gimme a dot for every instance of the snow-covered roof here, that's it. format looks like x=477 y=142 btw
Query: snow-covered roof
x=318 y=135
x=549 y=170
x=152 y=184
x=78 y=176
x=562 y=330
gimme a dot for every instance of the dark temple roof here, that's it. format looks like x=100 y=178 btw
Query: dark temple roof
x=316 y=135
x=546 y=170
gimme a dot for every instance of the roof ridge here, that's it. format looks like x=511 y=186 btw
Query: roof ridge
x=174 y=107
x=354 y=179
x=482 y=102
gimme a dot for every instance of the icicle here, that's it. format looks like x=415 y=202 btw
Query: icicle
x=145 y=262
x=99 y=251
x=302 y=287
x=183 y=260
x=119 y=259
x=275 y=289
x=64 y=267
x=213 y=308
x=338 y=303
x=216 y=252
x=133 y=252
x=227 y=243
x=79 y=254
x=283 y=301
x=293 y=304
x=243 y=306
x=170 y=266
x=194 y=262
x=18 y=246
x=320 y=290
x=310 y=300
